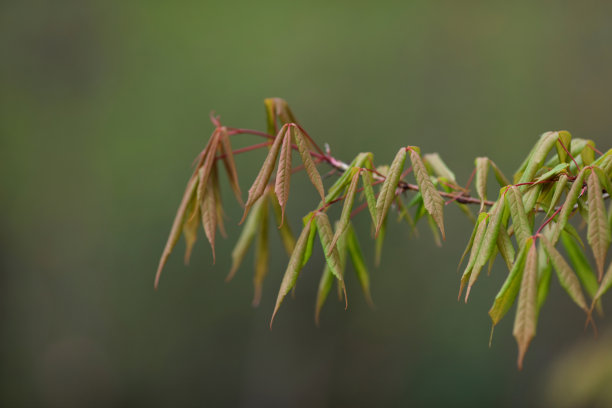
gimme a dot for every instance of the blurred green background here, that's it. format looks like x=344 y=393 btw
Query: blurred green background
x=103 y=106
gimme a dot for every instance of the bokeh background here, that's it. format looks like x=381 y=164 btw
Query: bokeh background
x=103 y=106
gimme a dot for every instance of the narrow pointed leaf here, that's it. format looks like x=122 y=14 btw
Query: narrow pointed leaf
x=366 y=177
x=207 y=166
x=555 y=171
x=433 y=202
x=259 y=185
x=439 y=167
x=311 y=238
x=293 y=268
x=326 y=235
x=208 y=210
x=581 y=266
x=283 y=174
x=536 y=160
x=468 y=247
x=599 y=231
x=230 y=165
x=190 y=228
x=606 y=283
x=177 y=225
x=387 y=191
x=604 y=180
x=309 y=165
x=560 y=186
x=527 y=308
x=325 y=285
x=566 y=138
x=380 y=240
x=249 y=230
x=262 y=254
x=568 y=206
x=507 y=294
x=568 y=279
x=588 y=153
x=359 y=265
x=476 y=245
x=482 y=168
x=502 y=180
x=287 y=237
x=347 y=207
x=522 y=229
x=505 y=247
x=544 y=277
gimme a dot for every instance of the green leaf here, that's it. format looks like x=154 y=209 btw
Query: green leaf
x=546 y=142
x=262 y=254
x=261 y=181
x=387 y=191
x=481 y=217
x=599 y=231
x=347 y=207
x=338 y=187
x=326 y=236
x=230 y=164
x=604 y=179
x=489 y=242
x=254 y=219
x=527 y=308
x=567 y=278
x=482 y=168
x=506 y=295
x=502 y=180
x=581 y=265
x=505 y=247
x=530 y=197
x=208 y=211
x=293 y=268
x=544 y=276
x=522 y=229
x=566 y=138
x=366 y=177
x=286 y=234
x=606 y=283
x=433 y=202
x=560 y=186
x=555 y=171
x=359 y=265
x=190 y=227
x=309 y=166
x=439 y=167
x=588 y=153
x=311 y=237
x=476 y=245
x=380 y=240
x=568 y=205
x=283 y=174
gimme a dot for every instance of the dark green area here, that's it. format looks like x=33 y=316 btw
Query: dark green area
x=103 y=106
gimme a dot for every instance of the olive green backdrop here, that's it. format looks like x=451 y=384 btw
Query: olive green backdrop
x=103 y=106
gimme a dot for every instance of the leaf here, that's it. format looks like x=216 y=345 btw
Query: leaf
x=439 y=167
x=581 y=266
x=366 y=177
x=604 y=180
x=216 y=191
x=505 y=247
x=588 y=153
x=283 y=174
x=482 y=168
x=481 y=227
x=481 y=217
x=522 y=229
x=259 y=185
x=361 y=270
x=338 y=187
x=207 y=166
x=568 y=206
x=347 y=207
x=599 y=231
x=546 y=142
x=287 y=237
x=311 y=237
x=262 y=254
x=387 y=191
x=555 y=171
x=208 y=211
x=293 y=268
x=190 y=227
x=530 y=197
x=309 y=166
x=326 y=236
x=501 y=178
x=606 y=283
x=230 y=164
x=489 y=242
x=380 y=240
x=559 y=188
x=506 y=295
x=434 y=230
x=433 y=202
x=566 y=138
x=544 y=277
x=254 y=219
x=527 y=308
x=325 y=285
x=270 y=104
x=568 y=279
x=177 y=225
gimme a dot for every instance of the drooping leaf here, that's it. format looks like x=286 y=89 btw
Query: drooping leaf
x=262 y=254
x=190 y=227
x=287 y=237
x=482 y=168
x=489 y=242
x=338 y=187
x=216 y=191
x=522 y=229
x=502 y=180
x=476 y=245
x=566 y=138
x=568 y=206
x=359 y=265
x=588 y=153
x=283 y=174
x=507 y=294
x=380 y=240
x=311 y=237
x=604 y=179
x=433 y=227
x=309 y=166
x=270 y=104
x=468 y=247
x=560 y=186
x=387 y=191
x=433 y=202
x=439 y=167
x=347 y=207
x=230 y=164
x=599 y=231
x=527 y=308
x=581 y=266
x=247 y=234
x=568 y=279
x=208 y=211
x=606 y=283
x=293 y=268
x=325 y=285
x=505 y=247
x=555 y=171
x=207 y=166
x=530 y=198
x=366 y=177
x=259 y=185
x=326 y=235
x=544 y=277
